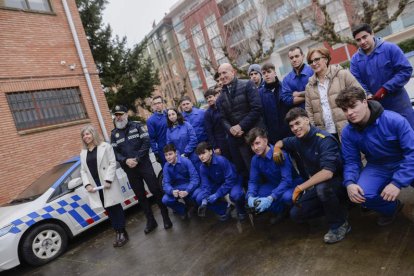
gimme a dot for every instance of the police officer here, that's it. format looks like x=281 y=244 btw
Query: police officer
x=131 y=144
x=321 y=157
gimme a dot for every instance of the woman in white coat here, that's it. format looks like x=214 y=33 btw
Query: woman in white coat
x=98 y=166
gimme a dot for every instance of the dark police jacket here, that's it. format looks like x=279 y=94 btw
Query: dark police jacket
x=131 y=142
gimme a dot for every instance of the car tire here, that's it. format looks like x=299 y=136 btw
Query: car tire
x=43 y=244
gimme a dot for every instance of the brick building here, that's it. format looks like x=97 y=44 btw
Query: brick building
x=45 y=96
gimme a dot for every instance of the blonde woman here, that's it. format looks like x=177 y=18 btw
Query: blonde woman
x=98 y=166
x=323 y=88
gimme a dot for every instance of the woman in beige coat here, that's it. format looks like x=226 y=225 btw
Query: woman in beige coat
x=323 y=88
x=98 y=171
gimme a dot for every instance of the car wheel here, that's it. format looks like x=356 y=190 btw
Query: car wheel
x=43 y=243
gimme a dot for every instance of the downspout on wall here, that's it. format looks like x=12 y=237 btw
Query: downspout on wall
x=85 y=69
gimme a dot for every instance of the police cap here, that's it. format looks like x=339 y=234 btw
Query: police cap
x=119 y=109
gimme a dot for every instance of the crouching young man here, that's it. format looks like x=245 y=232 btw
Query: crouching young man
x=387 y=141
x=218 y=178
x=180 y=181
x=270 y=184
x=321 y=158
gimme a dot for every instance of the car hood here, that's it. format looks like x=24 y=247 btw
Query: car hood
x=13 y=212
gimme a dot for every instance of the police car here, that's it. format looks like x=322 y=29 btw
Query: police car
x=35 y=227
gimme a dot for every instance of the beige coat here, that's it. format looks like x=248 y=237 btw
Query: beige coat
x=339 y=78
x=107 y=171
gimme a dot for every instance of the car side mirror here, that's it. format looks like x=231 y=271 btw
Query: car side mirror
x=75 y=183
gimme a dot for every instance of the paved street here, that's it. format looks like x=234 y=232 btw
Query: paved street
x=207 y=247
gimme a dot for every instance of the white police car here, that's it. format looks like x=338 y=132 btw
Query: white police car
x=35 y=227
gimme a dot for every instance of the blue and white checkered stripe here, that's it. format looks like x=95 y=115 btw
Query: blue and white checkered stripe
x=79 y=210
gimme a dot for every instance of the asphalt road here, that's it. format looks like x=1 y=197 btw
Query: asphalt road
x=208 y=247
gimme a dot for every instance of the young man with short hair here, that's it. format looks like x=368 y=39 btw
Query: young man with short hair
x=274 y=110
x=320 y=194
x=157 y=128
x=387 y=141
x=382 y=70
x=195 y=117
x=217 y=135
x=219 y=178
x=270 y=184
x=180 y=181
x=293 y=85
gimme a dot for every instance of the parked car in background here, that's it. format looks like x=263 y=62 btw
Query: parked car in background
x=36 y=226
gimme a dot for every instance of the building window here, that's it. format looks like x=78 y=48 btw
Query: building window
x=31 y=5
x=32 y=109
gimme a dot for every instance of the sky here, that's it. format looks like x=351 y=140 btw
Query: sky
x=134 y=18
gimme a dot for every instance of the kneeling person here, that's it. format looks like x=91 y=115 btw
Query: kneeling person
x=321 y=158
x=219 y=178
x=270 y=184
x=387 y=141
x=180 y=181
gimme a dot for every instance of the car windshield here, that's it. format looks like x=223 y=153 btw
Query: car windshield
x=42 y=184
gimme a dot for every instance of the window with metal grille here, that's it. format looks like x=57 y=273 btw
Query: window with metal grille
x=32 y=109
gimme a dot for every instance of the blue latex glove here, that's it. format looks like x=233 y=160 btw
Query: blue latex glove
x=250 y=201
x=265 y=203
x=212 y=198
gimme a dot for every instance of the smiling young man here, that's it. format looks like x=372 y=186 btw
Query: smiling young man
x=270 y=184
x=195 y=117
x=382 y=69
x=219 y=178
x=387 y=141
x=180 y=181
x=293 y=85
x=320 y=194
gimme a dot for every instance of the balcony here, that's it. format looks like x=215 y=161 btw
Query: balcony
x=236 y=12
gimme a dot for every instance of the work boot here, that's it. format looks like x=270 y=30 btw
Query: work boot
x=337 y=234
x=386 y=220
x=166 y=218
x=151 y=225
x=122 y=238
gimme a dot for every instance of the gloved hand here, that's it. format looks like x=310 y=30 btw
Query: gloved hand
x=296 y=194
x=278 y=156
x=212 y=198
x=380 y=94
x=250 y=201
x=265 y=203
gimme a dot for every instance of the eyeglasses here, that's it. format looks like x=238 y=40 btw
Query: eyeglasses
x=315 y=60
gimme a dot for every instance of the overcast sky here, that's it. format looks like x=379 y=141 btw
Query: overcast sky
x=134 y=18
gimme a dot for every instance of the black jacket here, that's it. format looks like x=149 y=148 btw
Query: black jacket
x=241 y=105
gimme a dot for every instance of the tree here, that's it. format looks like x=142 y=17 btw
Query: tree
x=124 y=73
x=374 y=13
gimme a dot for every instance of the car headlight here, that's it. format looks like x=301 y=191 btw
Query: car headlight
x=5 y=230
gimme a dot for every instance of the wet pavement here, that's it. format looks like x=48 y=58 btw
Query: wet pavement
x=208 y=247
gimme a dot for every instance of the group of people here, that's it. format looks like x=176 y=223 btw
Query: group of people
x=306 y=146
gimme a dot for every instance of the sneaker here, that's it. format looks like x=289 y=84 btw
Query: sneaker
x=241 y=216
x=386 y=220
x=224 y=217
x=338 y=234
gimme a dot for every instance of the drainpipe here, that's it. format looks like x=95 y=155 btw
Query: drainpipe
x=85 y=69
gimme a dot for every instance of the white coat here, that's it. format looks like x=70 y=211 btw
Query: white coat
x=107 y=171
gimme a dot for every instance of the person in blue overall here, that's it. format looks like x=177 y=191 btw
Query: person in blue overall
x=195 y=117
x=180 y=181
x=321 y=193
x=217 y=135
x=219 y=178
x=270 y=184
x=157 y=129
x=182 y=135
x=382 y=70
x=387 y=141
x=274 y=110
x=294 y=83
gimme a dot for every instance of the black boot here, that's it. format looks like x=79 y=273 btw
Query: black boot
x=166 y=218
x=151 y=225
x=123 y=238
x=115 y=243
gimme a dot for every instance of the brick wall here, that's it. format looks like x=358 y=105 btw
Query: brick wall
x=31 y=50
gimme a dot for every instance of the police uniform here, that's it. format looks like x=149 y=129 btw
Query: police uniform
x=319 y=150
x=133 y=142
